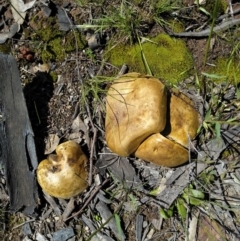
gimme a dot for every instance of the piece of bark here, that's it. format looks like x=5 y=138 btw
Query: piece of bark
x=17 y=147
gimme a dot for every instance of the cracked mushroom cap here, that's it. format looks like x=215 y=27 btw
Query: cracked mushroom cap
x=64 y=175
x=169 y=148
x=162 y=151
x=135 y=109
x=182 y=121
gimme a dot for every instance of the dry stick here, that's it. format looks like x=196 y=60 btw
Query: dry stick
x=205 y=33
x=230 y=7
x=123 y=70
x=88 y=201
x=92 y=145
x=91 y=155
x=28 y=221
x=228 y=14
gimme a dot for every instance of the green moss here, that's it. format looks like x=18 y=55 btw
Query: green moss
x=5 y=48
x=55 y=44
x=221 y=8
x=54 y=76
x=226 y=67
x=168 y=58
x=59 y=45
x=70 y=44
x=176 y=26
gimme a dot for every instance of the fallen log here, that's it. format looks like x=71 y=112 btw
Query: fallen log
x=17 y=147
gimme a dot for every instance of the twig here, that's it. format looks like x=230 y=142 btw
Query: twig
x=91 y=156
x=228 y=14
x=205 y=33
x=92 y=144
x=123 y=70
x=20 y=225
x=230 y=7
x=88 y=201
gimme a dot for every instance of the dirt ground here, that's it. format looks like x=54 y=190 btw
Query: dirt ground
x=54 y=99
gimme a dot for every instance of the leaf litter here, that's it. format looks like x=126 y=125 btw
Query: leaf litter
x=131 y=178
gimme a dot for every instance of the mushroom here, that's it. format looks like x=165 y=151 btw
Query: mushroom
x=64 y=175
x=181 y=127
x=162 y=151
x=135 y=109
x=144 y=119
x=183 y=120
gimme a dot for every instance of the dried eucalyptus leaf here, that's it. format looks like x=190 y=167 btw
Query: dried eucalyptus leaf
x=120 y=168
x=212 y=149
x=177 y=182
x=52 y=142
x=6 y=35
x=63 y=20
x=19 y=9
x=232 y=135
x=105 y=215
x=63 y=234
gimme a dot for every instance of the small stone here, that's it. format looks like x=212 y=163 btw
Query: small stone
x=150 y=234
x=46 y=11
x=156 y=224
x=63 y=234
x=72 y=239
x=40 y=237
x=26 y=229
x=27 y=239
x=230 y=93
x=145 y=224
x=94 y=40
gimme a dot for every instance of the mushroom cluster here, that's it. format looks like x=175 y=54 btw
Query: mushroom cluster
x=145 y=119
x=64 y=175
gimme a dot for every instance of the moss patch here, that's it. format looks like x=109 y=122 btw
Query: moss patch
x=59 y=45
x=226 y=67
x=5 y=48
x=176 y=26
x=221 y=7
x=55 y=44
x=168 y=58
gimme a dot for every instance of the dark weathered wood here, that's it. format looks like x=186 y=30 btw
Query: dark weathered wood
x=17 y=147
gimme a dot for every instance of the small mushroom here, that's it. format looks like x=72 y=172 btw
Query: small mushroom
x=135 y=109
x=64 y=175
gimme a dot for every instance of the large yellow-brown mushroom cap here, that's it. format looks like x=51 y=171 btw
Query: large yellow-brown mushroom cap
x=145 y=119
x=64 y=175
x=135 y=109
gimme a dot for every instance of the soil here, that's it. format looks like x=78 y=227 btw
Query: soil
x=55 y=99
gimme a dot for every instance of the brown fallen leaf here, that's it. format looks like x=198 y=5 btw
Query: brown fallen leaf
x=52 y=142
x=210 y=230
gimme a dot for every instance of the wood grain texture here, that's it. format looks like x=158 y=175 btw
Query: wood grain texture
x=17 y=147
